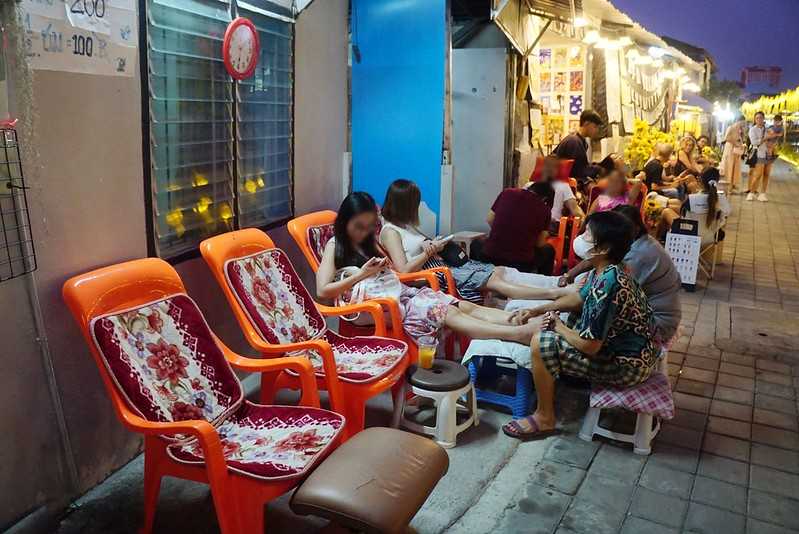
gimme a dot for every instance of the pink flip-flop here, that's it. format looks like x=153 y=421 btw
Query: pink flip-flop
x=514 y=430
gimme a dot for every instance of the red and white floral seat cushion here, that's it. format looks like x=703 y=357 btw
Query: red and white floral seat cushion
x=168 y=367
x=318 y=236
x=166 y=363
x=281 y=309
x=269 y=442
x=652 y=397
x=274 y=297
x=361 y=359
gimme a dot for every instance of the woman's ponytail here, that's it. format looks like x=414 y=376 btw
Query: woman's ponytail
x=710 y=180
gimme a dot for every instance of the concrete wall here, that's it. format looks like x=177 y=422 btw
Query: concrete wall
x=320 y=114
x=478 y=154
x=320 y=111
x=87 y=210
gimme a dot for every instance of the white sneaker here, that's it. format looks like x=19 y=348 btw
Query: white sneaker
x=762 y=197
x=750 y=197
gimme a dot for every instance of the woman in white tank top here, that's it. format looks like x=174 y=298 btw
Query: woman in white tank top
x=411 y=251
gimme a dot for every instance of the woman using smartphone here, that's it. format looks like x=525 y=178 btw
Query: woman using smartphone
x=410 y=250
x=424 y=310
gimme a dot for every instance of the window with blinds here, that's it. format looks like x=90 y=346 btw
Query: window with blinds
x=220 y=152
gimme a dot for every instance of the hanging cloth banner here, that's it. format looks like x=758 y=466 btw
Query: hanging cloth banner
x=86 y=36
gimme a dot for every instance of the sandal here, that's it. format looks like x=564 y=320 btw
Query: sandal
x=515 y=430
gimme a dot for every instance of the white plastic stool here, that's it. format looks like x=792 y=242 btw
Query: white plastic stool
x=433 y=384
x=644 y=433
x=641 y=439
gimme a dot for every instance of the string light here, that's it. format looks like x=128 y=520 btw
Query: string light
x=225 y=212
x=174 y=219
x=198 y=179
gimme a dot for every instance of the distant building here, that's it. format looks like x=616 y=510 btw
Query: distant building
x=760 y=81
x=698 y=54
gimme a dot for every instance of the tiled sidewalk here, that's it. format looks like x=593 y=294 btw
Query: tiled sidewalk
x=727 y=464
x=729 y=461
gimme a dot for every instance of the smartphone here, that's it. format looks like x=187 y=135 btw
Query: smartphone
x=445 y=239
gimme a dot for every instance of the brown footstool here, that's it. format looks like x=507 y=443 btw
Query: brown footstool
x=375 y=482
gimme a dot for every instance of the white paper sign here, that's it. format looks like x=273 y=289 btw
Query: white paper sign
x=88 y=36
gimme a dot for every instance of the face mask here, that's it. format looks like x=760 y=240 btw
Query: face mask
x=583 y=248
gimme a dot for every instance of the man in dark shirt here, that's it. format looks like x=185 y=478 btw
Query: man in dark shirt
x=519 y=221
x=575 y=146
x=659 y=171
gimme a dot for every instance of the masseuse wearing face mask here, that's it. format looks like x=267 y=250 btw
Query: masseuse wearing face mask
x=607 y=338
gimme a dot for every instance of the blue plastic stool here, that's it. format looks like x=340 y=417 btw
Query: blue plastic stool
x=485 y=369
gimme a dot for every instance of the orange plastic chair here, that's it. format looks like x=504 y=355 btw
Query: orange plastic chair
x=573 y=260
x=558 y=242
x=102 y=302
x=349 y=389
x=312 y=231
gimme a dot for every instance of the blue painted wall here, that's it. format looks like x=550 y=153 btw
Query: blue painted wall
x=398 y=95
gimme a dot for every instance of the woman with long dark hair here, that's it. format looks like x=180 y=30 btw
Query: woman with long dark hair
x=424 y=310
x=707 y=206
x=410 y=250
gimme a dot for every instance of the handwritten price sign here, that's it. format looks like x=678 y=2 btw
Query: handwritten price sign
x=87 y=36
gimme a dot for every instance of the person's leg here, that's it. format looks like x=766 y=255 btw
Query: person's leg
x=764 y=179
x=484 y=313
x=667 y=218
x=463 y=323
x=692 y=184
x=515 y=291
x=754 y=180
x=736 y=172
x=544 y=387
x=544 y=415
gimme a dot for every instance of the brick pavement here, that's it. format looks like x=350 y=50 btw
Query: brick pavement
x=729 y=461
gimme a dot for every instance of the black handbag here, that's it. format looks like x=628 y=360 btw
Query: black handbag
x=751 y=155
x=453 y=255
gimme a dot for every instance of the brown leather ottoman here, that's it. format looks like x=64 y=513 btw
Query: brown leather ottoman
x=375 y=482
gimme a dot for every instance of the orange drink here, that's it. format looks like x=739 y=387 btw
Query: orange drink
x=427 y=351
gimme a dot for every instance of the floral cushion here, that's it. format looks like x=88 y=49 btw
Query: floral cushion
x=361 y=359
x=166 y=362
x=318 y=236
x=270 y=442
x=277 y=303
x=652 y=396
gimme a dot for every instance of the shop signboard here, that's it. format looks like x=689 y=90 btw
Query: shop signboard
x=86 y=36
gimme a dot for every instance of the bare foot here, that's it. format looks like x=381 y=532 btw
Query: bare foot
x=526 y=331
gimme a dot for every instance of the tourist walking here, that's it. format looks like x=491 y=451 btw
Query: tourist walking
x=759 y=137
x=731 y=156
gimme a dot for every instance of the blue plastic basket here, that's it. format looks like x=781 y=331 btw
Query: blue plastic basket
x=484 y=369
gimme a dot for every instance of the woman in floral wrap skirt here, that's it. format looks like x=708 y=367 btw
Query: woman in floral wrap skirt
x=608 y=337
x=424 y=310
